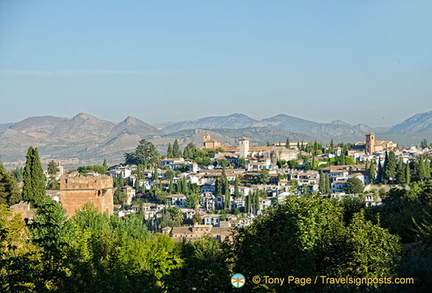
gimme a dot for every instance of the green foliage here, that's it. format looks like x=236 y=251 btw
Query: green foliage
x=18 y=257
x=390 y=167
x=305 y=237
x=354 y=185
x=264 y=176
x=18 y=174
x=189 y=151
x=9 y=193
x=176 y=150
x=92 y=169
x=169 y=151
x=204 y=269
x=145 y=154
x=171 y=217
x=53 y=168
x=372 y=172
x=33 y=177
x=293 y=164
x=192 y=200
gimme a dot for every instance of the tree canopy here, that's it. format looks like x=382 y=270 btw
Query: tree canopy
x=145 y=154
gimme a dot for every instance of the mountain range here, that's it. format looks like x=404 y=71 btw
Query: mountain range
x=85 y=139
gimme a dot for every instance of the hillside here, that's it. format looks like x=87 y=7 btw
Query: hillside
x=234 y=121
x=85 y=139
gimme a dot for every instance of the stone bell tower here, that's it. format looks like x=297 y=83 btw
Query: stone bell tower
x=370 y=143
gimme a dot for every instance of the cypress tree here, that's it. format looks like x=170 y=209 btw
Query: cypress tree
x=155 y=175
x=169 y=151
x=9 y=193
x=33 y=177
x=371 y=172
x=176 y=150
x=400 y=172
x=327 y=183
x=247 y=204
x=287 y=143
x=225 y=189
x=380 y=176
x=256 y=203
x=322 y=183
x=236 y=187
x=390 y=166
x=407 y=173
x=422 y=169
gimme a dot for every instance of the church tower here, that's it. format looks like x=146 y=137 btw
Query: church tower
x=244 y=147
x=370 y=143
x=206 y=137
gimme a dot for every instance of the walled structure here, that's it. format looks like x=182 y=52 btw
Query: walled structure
x=372 y=145
x=76 y=192
x=210 y=143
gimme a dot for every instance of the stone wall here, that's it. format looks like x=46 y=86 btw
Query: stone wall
x=76 y=192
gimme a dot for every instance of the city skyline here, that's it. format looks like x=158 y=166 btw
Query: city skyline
x=359 y=62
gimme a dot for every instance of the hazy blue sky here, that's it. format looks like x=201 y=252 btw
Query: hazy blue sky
x=364 y=61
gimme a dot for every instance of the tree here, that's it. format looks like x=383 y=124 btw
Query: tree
x=354 y=185
x=293 y=164
x=205 y=268
x=400 y=172
x=189 y=151
x=321 y=184
x=390 y=166
x=169 y=151
x=380 y=175
x=327 y=183
x=155 y=175
x=423 y=168
x=264 y=176
x=50 y=232
x=236 y=187
x=19 y=259
x=192 y=200
x=196 y=218
x=53 y=168
x=287 y=143
x=307 y=236
x=176 y=150
x=424 y=144
x=171 y=217
x=242 y=162
x=407 y=174
x=9 y=193
x=91 y=169
x=144 y=154
x=33 y=177
x=248 y=204
x=223 y=162
x=371 y=172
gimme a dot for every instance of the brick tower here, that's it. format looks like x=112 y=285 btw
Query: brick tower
x=370 y=143
x=76 y=192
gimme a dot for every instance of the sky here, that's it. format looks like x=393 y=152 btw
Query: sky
x=360 y=61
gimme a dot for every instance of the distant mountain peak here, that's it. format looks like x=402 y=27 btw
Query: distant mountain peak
x=340 y=122
x=417 y=123
x=132 y=120
x=83 y=116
